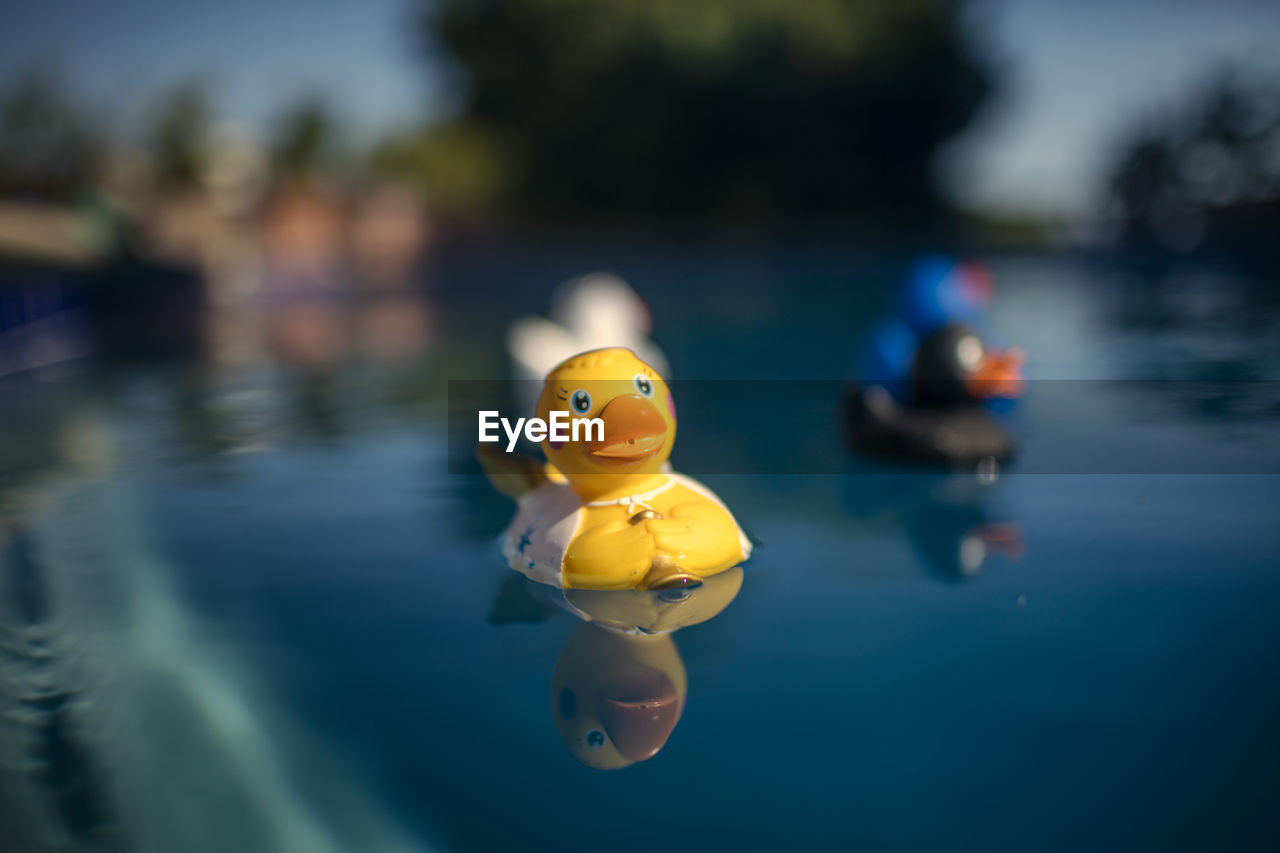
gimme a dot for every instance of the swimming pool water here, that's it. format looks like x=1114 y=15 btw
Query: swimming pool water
x=279 y=601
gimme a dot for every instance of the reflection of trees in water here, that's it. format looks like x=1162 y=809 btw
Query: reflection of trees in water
x=1204 y=340
x=711 y=107
x=1182 y=299
x=955 y=524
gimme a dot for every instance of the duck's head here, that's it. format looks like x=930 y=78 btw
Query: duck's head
x=617 y=697
x=941 y=290
x=953 y=367
x=635 y=405
x=954 y=544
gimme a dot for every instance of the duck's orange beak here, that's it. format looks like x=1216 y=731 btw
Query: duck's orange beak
x=639 y=710
x=999 y=374
x=634 y=431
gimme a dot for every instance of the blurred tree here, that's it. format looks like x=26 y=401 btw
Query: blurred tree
x=456 y=167
x=48 y=144
x=180 y=138
x=690 y=108
x=304 y=141
x=1221 y=148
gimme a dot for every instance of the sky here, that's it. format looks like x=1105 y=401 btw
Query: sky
x=1074 y=72
x=256 y=56
x=1077 y=74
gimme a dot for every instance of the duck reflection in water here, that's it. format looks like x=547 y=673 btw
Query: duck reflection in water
x=954 y=524
x=619 y=687
x=954 y=543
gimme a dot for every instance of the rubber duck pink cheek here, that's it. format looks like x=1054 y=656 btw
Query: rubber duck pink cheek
x=671 y=404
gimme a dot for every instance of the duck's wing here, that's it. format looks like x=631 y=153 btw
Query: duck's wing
x=512 y=474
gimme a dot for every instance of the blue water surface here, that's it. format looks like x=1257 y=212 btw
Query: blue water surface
x=1099 y=671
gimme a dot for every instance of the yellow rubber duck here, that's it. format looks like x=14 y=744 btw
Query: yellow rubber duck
x=609 y=513
x=619 y=687
x=616 y=697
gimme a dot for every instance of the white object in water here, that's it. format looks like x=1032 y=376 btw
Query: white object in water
x=594 y=311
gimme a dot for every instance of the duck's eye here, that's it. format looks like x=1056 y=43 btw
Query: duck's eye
x=972 y=552
x=581 y=401
x=643 y=384
x=969 y=352
x=595 y=738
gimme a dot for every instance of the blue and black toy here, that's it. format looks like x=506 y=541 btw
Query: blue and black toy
x=929 y=386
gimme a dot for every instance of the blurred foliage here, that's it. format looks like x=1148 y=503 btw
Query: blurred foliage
x=1221 y=148
x=457 y=167
x=49 y=145
x=305 y=140
x=179 y=137
x=691 y=108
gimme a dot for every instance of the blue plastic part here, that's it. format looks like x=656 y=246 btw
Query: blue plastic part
x=937 y=293
x=888 y=357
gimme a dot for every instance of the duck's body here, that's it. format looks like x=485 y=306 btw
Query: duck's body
x=930 y=387
x=557 y=538
x=609 y=514
x=956 y=435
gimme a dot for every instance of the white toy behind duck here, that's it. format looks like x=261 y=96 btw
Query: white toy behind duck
x=595 y=311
